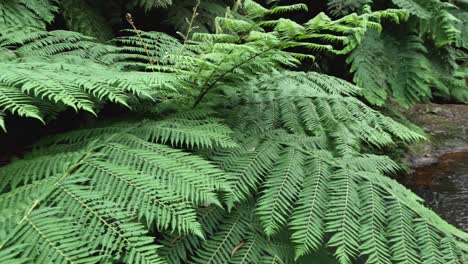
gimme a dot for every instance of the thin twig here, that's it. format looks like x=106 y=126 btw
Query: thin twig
x=129 y=18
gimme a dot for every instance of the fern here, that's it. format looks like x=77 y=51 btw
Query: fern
x=31 y=86
x=158 y=185
x=25 y=13
x=82 y=17
x=405 y=60
x=322 y=193
x=230 y=157
x=370 y=64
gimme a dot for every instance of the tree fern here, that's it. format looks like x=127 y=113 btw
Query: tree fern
x=230 y=158
x=340 y=196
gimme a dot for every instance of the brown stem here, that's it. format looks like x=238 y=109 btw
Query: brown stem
x=129 y=18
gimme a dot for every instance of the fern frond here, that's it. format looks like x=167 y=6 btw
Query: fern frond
x=428 y=240
x=342 y=216
x=442 y=28
x=369 y=63
x=10 y=255
x=405 y=59
x=401 y=233
x=281 y=190
x=374 y=217
x=43 y=166
x=221 y=245
x=247 y=167
x=23 y=13
x=311 y=103
x=410 y=83
x=307 y=219
x=419 y=8
x=53 y=238
x=180 y=248
x=182 y=131
x=55 y=70
x=332 y=195
x=112 y=193
x=156 y=201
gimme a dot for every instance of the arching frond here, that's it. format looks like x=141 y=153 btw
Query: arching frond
x=37 y=87
x=110 y=193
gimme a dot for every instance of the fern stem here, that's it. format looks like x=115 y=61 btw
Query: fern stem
x=205 y=91
x=36 y=202
x=132 y=23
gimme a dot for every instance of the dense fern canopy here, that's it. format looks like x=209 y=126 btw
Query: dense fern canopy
x=238 y=142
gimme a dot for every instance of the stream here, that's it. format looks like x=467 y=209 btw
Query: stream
x=444 y=185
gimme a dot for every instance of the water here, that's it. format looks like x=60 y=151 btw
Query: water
x=445 y=187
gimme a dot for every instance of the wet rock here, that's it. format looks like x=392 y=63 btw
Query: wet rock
x=447 y=128
x=439 y=166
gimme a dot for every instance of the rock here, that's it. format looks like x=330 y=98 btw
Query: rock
x=447 y=128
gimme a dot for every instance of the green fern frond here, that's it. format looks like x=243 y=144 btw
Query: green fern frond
x=314 y=104
x=35 y=87
x=24 y=13
x=10 y=255
x=307 y=219
x=442 y=28
x=133 y=244
x=247 y=167
x=181 y=131
x=219 y=249
x=126 y=181
x=462 y=16
x=342 y=216
x=419 y=8
x=33 y=169
x=368 y=64
x=281 y=189
x=405 y=59
x=412 y=75
x=179 y=248
x=374 y=217
x=401 y=233
x=53 y=238
x=325 y=193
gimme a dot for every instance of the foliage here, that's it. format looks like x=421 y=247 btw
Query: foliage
x=424 y=58
x=229 y=156
x=46 y=72
x=81 y=17
x=24 y=13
